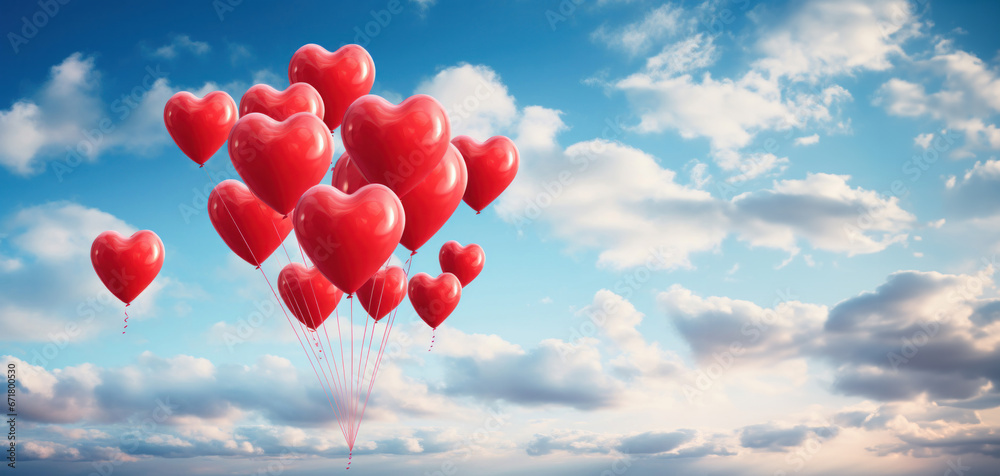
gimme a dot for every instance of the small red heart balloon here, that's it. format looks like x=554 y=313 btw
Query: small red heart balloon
x=434 y=298
x=199 y=127
x=492 y=167
x=340 y=77
x=251 y=229
x=383 y=292
x=346 y=176
x=308 y=294
x=126 y=266
x=279 y=161
x=397 y=146
x=465 y=262
x=280 y=105
x=428 y=206
x=349 y=237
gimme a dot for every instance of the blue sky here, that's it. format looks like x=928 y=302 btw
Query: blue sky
x=813 y=182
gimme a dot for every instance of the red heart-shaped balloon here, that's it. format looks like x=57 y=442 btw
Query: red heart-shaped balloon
x=397 y=146
x=431 y=203
x=428 y=206
x=492 y=167
x=383 y=292
x=126 y=266
x=349 y=237
x=346 y=176
x=280 y=105
x=279 y=161
x=199 y=126
x=340 y=77
x=434 y=298
x=465 y=262
x=308 y=294
x=251 y=229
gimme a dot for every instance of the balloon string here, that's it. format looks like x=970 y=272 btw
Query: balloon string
x=364 y=368
x=354 y=409
x=281 y=305
x=343 y=370
x=276 y=232
x=325 y=391
x=433 y=335
x=349 y=456
x=126 y=320
x=381 y=350
x=334 y=375
x=334 y=388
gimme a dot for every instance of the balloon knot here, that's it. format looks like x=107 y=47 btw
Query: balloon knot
x=284 y=217
x=200 y=166
x=128 y=304
x=413 y=252
x=478 y=212
x=258 y=267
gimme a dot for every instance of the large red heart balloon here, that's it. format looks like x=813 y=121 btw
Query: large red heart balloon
x=251 y=229
x=349 y=237
x=428 y=206
x=397 y=146
x=308 y=294
x=465 y=262
x=280 y=105
x=434 y=298
x=199 y=126
x=492 y=167
x=340 y=77
x=279 y=161
x=346 y=176
x=431 y=203
x=383 y=292
x=126 y=266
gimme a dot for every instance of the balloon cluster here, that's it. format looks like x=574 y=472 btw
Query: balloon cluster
x=400 y=180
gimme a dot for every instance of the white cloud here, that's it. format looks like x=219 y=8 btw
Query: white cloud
x=834 y=37
x=477 y=102
x=67 y=120
x=923 y=140
x=620 y=201
x=968 y=99
x=182 y=43
x=635 y=38
x=807 y=140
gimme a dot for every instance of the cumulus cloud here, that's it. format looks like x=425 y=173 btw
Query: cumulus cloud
x=624 y=203
x=477 y=102
x=967 y=100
